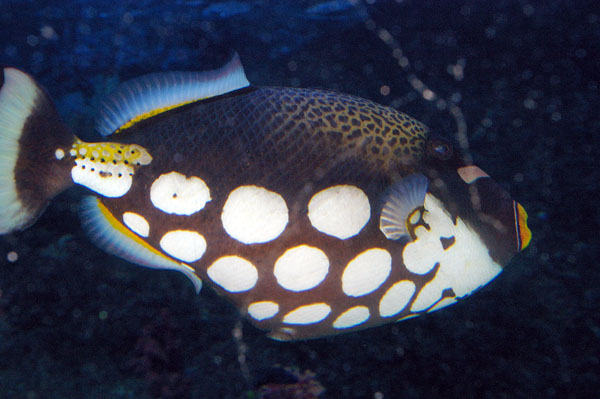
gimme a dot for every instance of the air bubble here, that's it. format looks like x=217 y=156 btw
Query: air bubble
x=12 y=256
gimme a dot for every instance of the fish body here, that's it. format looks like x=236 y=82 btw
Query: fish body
x=314 y=212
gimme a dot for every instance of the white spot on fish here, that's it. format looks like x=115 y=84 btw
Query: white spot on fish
x=339 y=211
x=59 y=154
x=308 y=314
x=189 y=246
x=177 y=194
x=366 y=272
x=254 y=214
x=136 y=223
x=106 y=179
x=396 y=298
x=233 y=273
x=301 y=268
x=263 y=310
x=352 y=317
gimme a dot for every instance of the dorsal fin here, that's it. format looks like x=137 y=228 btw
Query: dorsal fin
x=146 y=96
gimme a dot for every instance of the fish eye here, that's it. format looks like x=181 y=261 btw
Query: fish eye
x=440 y=149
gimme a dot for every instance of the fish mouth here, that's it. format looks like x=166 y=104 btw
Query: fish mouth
x=523 y=231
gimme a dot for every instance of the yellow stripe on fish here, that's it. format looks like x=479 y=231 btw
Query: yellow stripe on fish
x=314 y=212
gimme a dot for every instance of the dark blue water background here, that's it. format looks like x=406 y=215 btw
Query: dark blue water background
x=73 y=319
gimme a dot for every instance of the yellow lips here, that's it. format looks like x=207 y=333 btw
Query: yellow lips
x=523 y=232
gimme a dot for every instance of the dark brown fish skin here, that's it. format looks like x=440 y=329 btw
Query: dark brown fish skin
x=284 y=127
x=291 y=141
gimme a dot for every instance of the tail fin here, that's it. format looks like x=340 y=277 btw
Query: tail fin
x=34 y=144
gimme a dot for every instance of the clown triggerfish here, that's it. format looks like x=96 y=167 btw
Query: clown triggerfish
x=314 y=212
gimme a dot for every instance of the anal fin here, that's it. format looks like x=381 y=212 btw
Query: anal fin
x=108 y=233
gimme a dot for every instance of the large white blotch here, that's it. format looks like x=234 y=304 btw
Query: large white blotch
x=263 y=310
x=188 y=246
x=174 y=193
x=308 y=314
x=421 y=255
x=106 y=179
x=136 y=223
x=340 y=211
x=301 y=268
x=233 y=273
x=396 y=298
x=366 y=272
x=465 y=265
x=254 y=214
x=352 y=317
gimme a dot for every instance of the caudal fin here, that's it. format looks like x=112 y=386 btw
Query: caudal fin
x=34 y=144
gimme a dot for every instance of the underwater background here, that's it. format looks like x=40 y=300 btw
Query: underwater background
x=76 y=322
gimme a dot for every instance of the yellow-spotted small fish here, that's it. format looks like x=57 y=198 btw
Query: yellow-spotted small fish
x=314 y=212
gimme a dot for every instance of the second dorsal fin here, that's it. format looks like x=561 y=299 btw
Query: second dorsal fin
x=146 y=96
